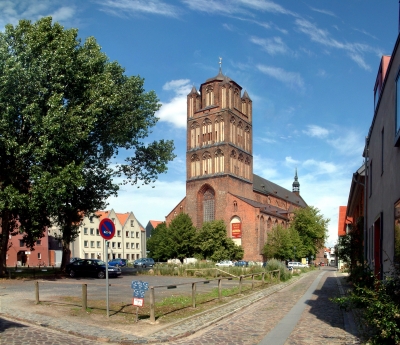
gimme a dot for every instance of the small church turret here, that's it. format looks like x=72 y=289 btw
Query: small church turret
x=296 y=184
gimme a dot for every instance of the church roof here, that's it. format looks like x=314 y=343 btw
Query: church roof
x=264 y=186
x=220 y=77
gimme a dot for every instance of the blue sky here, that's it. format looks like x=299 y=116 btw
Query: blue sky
x=308 y=66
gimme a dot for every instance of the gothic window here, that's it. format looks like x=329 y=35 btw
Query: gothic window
x=244 y=107
x=207 y=163
x=247 y=168
x=233 y=130
x=209 y=96
x=219 y=161
x=240 y=134
x=219 y=129
x=247 y=138
x=233 y=163
x=207 y=132
x=230 y=98
x=236 y=99
x=261 y=236
x=235 y=207
x=269 y=224
x=194 y=135
x=191 y=101
x=195 y=165
x=241 y=165
x=208 y=206
x=223 y=92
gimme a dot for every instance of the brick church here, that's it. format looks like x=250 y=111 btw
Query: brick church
x=220 y=183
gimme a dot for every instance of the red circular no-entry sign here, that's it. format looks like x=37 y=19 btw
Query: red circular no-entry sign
x=107 y=229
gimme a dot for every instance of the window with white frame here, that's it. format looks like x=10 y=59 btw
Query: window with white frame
x=119 y=244
x=132 y=245
x=112 y=244
x=119 y=233
x=127 y=245
x=85 y=231
x=132 y=222
x=98 y=244
x=137 y=234
x=137 y=245
x=132 y=234
x=127 y=234
x=92 y=231
x=85 y=244
x=91 y=244
x=39 y=256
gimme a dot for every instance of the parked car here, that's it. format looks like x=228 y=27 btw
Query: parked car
x=74 y=259
x=144 y=262
x=118 y=262
x=224 y=263
x=91 y=268
x=295 y=264
x=241 y=263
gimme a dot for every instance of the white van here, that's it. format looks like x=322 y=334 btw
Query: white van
x=295 y=264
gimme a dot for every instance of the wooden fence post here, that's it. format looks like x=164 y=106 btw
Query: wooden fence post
x=152 y=305
x=252 y=281
x=240 y=284
x=220 y=289
x=84 y=297
x=194 y=295
x=37 y=291
x=263 y=277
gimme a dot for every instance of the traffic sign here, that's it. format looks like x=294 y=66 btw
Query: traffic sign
x=107 y=229
x=138 y=302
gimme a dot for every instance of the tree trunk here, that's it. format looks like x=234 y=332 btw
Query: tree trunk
x=5 y=234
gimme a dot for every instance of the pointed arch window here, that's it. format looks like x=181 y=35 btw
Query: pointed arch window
x=241 y=165
x=207 y=132
x=208 y=206
x=244 y=107
x=207 y=163
x=194 y=135
x=261 y=235
x=240 y=134
x=247 y=138
x=230 y=98
x=233 y=130
x=247 y=168
x=195 y=165
x=236 y=99
x=219 y=161
x=223 y=97
x=233 y=163
x=209 y=96
x=219 y=129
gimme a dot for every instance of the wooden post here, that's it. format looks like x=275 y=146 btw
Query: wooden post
x=263 y=277
x=220 y=289
x=152 y=305
x=37 y=291
x=279 y=276
x=84 y=297
x=240 y=284
x=252 y=281
x=194 y=295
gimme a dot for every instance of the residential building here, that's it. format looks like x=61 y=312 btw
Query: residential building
x=129 y=241
x=220 y=184
x=151 y=225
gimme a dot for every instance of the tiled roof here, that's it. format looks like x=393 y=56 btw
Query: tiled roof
x=102 y=214
x=122 y=217
x=266 y=187
x=154 y=223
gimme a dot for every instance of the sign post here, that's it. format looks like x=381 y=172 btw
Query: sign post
x=139 y=290
x=107 y=231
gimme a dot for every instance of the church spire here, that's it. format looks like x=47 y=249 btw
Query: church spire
x=296 y=184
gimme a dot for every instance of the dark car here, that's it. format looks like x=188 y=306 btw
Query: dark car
x=241 y=263
x=144 y=262
x=117 y=262
x=91 y=268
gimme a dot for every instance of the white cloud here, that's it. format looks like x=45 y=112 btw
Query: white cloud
x=320 y=167
x=265 y=167
x=291 y=162
x=291 y=79
x=271 y=45
x=348 y=143
x=148 y=203
x=316 y=131
x=354 y=50
x=13 y=11
x=329 y=13
x=174 y=111
x=132 y=7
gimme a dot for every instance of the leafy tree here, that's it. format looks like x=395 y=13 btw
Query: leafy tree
x=66 y=111
x=213 y=243
x=312 y=228
x=182 y=235
x=158 y=244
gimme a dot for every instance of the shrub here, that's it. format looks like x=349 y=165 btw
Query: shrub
x=274 y=264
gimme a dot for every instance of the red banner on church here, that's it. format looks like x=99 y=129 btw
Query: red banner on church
x=236 y=230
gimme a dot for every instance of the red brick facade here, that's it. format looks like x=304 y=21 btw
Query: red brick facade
x=220 y=183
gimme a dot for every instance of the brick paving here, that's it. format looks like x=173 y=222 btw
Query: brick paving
x=245 y=321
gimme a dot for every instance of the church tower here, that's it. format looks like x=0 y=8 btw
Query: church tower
x=219 y=147
x=296 y=184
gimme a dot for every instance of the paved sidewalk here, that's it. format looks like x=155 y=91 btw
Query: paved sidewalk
x=244 y=321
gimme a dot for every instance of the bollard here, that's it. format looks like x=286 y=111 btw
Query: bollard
x=84 y=296
x=240 y=284
x=220 y=289
x=37 y=292
x=152 y=305
x=194 y=295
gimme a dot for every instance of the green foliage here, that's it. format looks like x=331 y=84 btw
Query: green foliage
x=274 y=264
x=213 y=243
x=181 y=240
x=380 y=302
x=65 y=113
x=312 y=228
